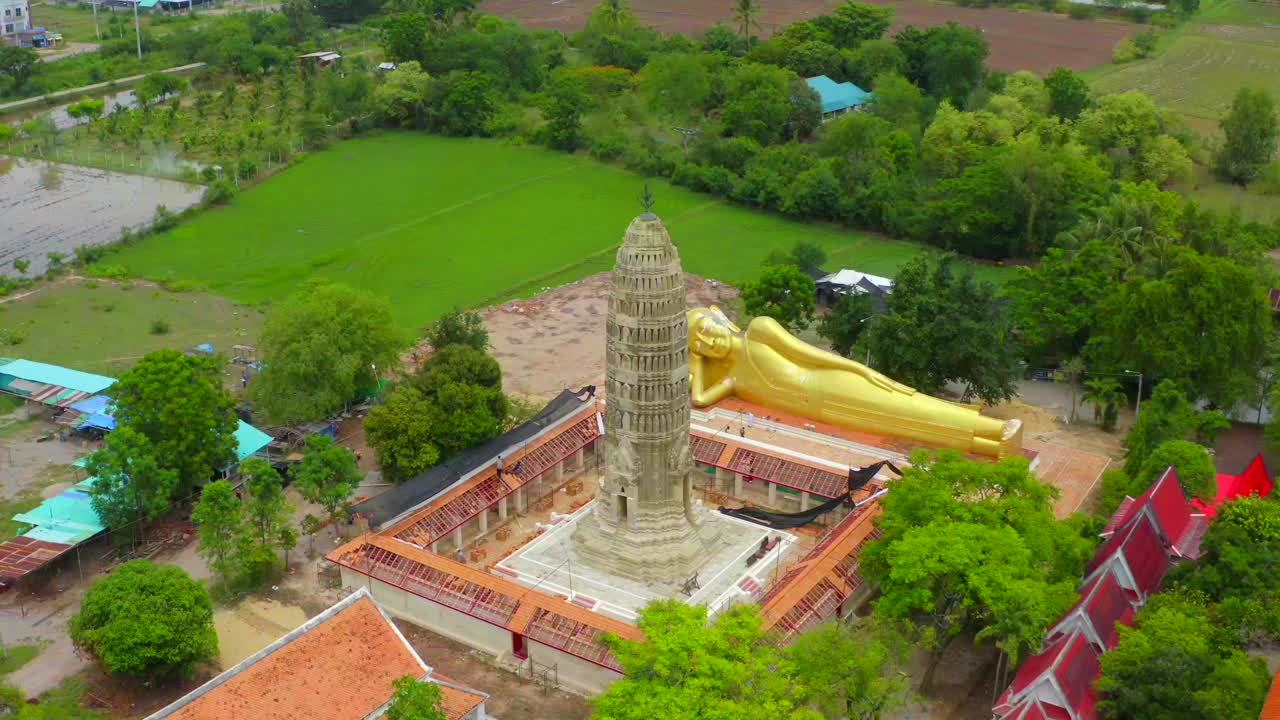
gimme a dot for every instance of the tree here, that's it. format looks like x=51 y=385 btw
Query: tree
x=852 y=672
x=146 y=620
x=1170 y=666
x=18 y=63
x=943 y=326
x=814 y=57
x=462 y=103
x=464 y=388
x=1157 y=326
x=689 y=667
x=131 y=487
x=1068 y=93
x=746 y=14
x=404 y=37
x=327 y=475
x=854 y=23
x=611 y=16
x=758 y=102
x=401 y=99
x=268 y=515
x=321 y=349
x=844 y=325
x=87 y=107
x=302 y=19
x=158 y=85
x=1190 y=461
x=1105 y=395
x=948 y=60
x=677 y=84
x=1054 y=303
x=564 y=102
x=899 y=101
x=177 y=401
x=220 y=529
x=1251 y=128
x=1164 y=160
x=458 y=327
x=973 y=546
x=1240 y=558
x=22 y=265
x=400 y=431
x=415 y=700
x=782 y=292
x=1168 y=415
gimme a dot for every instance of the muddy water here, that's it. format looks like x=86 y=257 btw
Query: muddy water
x=253 y=624
x=47 y=207
x=114 y=98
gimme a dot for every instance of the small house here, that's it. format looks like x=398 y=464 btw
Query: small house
x=838 y=98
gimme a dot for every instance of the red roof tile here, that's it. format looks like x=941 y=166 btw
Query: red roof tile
x=1145 y=555
x=338 y=666
x=21 y=555
x=456 y=700
x=1271 y=708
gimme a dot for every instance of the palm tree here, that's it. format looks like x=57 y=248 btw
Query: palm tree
x=745 y=13
x=615 y=15
x=1106 y=396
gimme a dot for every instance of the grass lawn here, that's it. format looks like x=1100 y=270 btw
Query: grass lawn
x=75 y=22
x=432 y=223
x=15 y=656
x=107 y=328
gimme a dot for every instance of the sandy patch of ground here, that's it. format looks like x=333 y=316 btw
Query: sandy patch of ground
x=247 y=627
x=555 y=340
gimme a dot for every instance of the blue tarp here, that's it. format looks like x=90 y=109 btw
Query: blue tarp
x=56 y=375
x=101 y=420
x=66 y=518
x=93 y=405
x=837 y=96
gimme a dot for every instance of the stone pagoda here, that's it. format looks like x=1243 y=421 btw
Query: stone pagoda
x=644 y=524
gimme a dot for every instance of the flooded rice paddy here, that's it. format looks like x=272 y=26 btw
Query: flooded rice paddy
x=54 y=207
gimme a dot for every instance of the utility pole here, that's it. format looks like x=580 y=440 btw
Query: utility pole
x=1137 y=408
x=137 y=26
x=96 y=31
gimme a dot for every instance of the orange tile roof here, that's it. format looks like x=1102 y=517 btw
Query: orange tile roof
x=1271 y=708
x=338 y=668
x=455 y=700
x=824 y=564
x=529 y=601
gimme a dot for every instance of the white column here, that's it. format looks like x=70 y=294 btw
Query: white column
x=502 y=508
x=579 y=457
x=804 y=501
x=484 y=521
x=435 y=547
x=521 y=505
x=557 y=473
x=773 y=495
x=457 y=537
x=737 y=485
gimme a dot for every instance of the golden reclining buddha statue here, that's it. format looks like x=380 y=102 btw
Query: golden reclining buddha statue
x=769 y=366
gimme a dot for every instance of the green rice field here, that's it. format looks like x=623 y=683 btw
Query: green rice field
x=432 y=223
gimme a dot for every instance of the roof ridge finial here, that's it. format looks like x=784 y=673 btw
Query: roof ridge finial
x=646 y=200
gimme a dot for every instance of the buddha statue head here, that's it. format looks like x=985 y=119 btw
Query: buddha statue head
x=711 y=332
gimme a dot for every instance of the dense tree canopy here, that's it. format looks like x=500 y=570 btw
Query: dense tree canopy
x=146 y=620
x=400 y=432
x=415 y=699
x=782 y=292
x=1251 y=128
x=321 y=349
x=220 y=529
x=942 y=326
x=972 y=546
x=178 y=403
x=689 y=667
x=132 y=487
x=327 y=475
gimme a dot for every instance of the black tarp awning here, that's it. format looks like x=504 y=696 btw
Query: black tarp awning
x=858 y=478
x=422 y=488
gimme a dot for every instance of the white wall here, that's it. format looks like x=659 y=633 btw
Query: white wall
x=574 y=672
x=8 y=17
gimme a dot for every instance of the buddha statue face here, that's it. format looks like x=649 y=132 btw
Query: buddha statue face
x=710 y=332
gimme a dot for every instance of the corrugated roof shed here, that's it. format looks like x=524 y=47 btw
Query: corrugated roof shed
x=38 y=372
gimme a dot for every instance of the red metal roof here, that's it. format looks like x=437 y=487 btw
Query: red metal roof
x=1145 y=555
x=1271 y=708
x=1253 y=481
x=21 y=555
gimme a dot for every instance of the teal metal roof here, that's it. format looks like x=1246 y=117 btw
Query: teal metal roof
x=249 y=440
x=837 y=96
x=57 y=375
x=66 y=518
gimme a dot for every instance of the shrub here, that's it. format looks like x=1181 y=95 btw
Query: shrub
x=608 y=146
x=159 y=327
x=1080 y=12
x=219 y=192
x=1268 y=181
x=163 y=219
x=88 y=254
x=1125 y=51
x=208 y=174
x=110 y=272
x=246 y=168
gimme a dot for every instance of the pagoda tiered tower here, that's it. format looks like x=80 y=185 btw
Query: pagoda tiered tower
x=644 y=525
